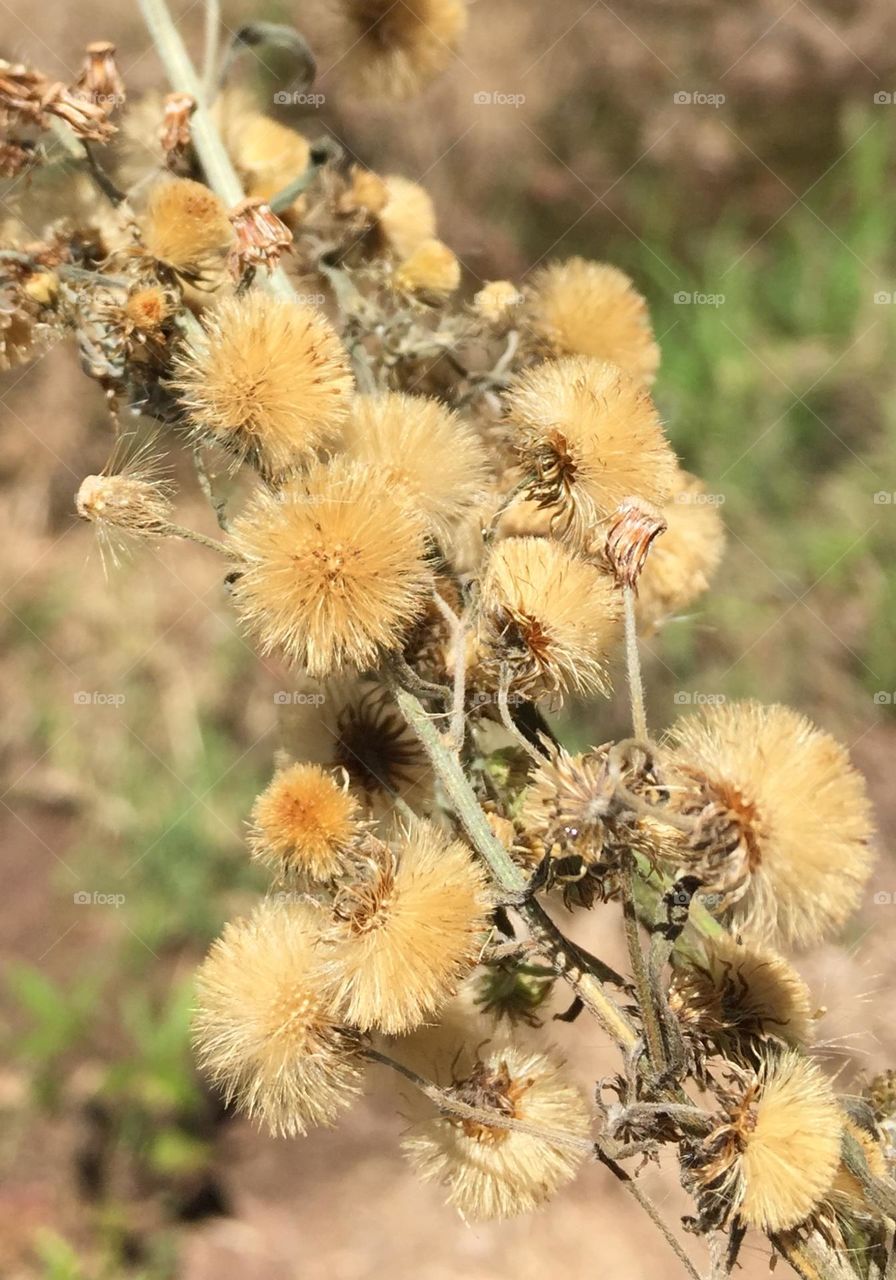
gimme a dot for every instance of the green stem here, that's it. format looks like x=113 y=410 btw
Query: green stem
x=652 y=1031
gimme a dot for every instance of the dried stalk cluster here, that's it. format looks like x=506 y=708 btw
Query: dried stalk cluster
x=461 y=511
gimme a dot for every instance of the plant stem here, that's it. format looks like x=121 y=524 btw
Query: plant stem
x=633 y=667
x=652 y=1030
x=190 y=535
x=509 y=876
x=210 y=52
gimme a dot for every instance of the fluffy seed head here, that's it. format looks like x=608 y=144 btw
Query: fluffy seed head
x=589 y=437
x=268 y=153
x=266 y=1029
x=798 y=810
x=681 y=562
x=335 y=570
x=490 y=1172
x=735 y=992
x=408 y=217
x=429 y=453
x=497 y=301
x=408 y=929
x=130 y=500
x=147 y=309
x=268 y=379
x=186 y=226
x=396 y=49
x=774 y=1158
x=304 y=823
x=592 y=309
x=431 y=268
x=552 y=618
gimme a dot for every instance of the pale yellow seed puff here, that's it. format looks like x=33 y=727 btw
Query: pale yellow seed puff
x=367 y=190
x=410 y=925
x=429 y=453
x=186 y=226
x=491 y=1172
x=798 y=817
x=593 y=309
x=395 y=50
x=268 y=379
x=552 y=618
x=303 y=823
x=335 y=570
x=431 y=268
x=684 y=558
x=497 y=303
x=266 y=1030
x=408 y=217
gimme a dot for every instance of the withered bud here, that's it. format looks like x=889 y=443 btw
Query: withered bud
x=261 y=238
x=21 y=94
x=129 y=503
x=99 y=79
x=86 y=119
x=175 y=133
x=635 y=525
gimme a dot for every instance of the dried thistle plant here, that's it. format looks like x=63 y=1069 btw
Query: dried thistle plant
x=461 y=512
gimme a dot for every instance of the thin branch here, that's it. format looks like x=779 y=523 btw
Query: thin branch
x=210 y=52
x=633 y=666
x=652 y=1030
x=457 y=731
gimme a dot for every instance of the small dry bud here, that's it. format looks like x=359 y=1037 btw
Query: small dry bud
x=99 y=79
x=261 y=238
x=125 y=502
x=175 y=133
x=21 y=94
x=86 y=119
x=497 y=302
x=629 y=538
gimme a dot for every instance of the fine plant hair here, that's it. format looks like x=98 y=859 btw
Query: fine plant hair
x=449 y=514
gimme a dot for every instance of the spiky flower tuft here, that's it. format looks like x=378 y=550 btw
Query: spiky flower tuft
x=588 y=308
x=430 y=454
x=186 y=226
x=408 y=929
x=266 y=1030
x=268 y=379
x=304 y=823
x=490 y=1172
x=553 y=619
x=396 y=49
x=797 y=817
x=431 y=269
x=335 y=569
x=588 y=437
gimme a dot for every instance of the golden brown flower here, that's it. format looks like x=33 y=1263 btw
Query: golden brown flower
x=428 y=452
x=592 y=309
x=552 y=618
x=304 y=823
x=408 y=217
x=681 y=562
x=491 y=1172
x=186 y=226
x=588 y=438
x=335 y=568
x=431 y=268
x=267 y=1030
x=497 y=302
x=397 y=48
x=410 y=924
x=797 y=814
x=268 y=379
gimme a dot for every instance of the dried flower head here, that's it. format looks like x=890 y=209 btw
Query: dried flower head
x=99 y=78
x=491 y=1172
x=589 y=438
x=733 y=992
x=432 y=268
x=797 y=815
x=681 y=563
x=366 y=190
x=86 y=118
x=147 y=308
x=592 y=309
x=335 y=568
x=497 y=302
x=261 y=238
x=175 y=134
x=410 y=924
x=304 y=822
x=552 y=618
x=396 y=49
x=850 y=1191
x=429 y=453
x=635 y=526
x=268 y=379
x=186 y=226
x=408 y=218
x=267 y=1030
x=268 y=154
x=375 y=746
x=773 y=1159
x=131 y=499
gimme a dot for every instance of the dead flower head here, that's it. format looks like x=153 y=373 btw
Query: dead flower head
x=396 y=49
x=304 y=822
